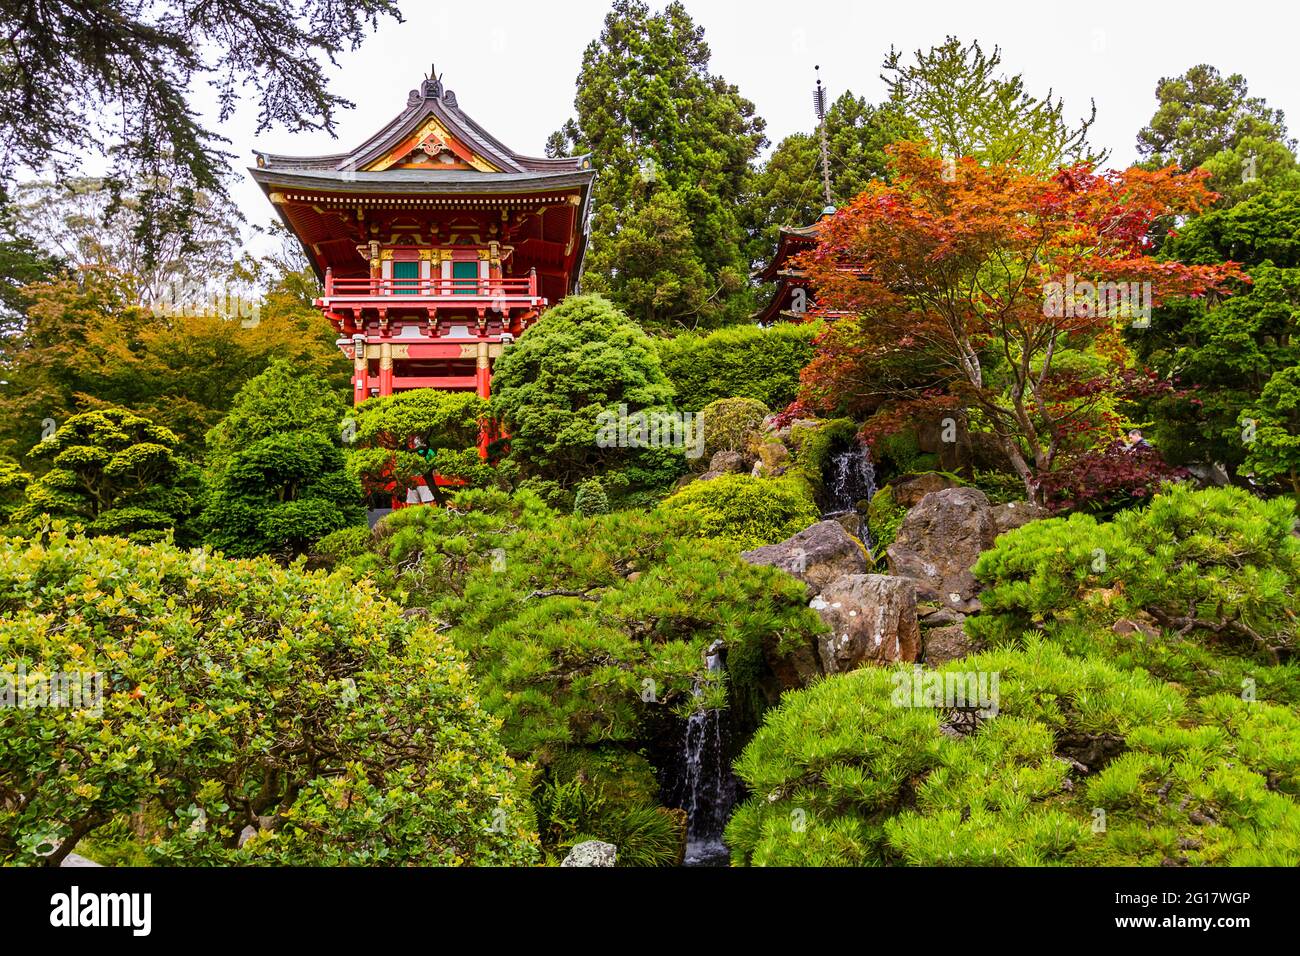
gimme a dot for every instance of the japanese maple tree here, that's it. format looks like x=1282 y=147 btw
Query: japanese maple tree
x=1001 y=293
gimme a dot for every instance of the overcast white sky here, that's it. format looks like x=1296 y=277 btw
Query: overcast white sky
x=513 y=63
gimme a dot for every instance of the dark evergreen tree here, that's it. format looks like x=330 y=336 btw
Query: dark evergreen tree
x=673 y=144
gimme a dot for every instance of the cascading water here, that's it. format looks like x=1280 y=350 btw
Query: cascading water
x=850 y=478
x=708 y=787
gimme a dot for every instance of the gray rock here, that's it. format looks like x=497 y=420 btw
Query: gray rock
x=1014 y=514
x=728 y=462
x=872 y=619
x=76 y=859
x=591 y=853
x=939 y=542
x=944 y=644
x=908 y=492
x=817 y=555
x=936 y=615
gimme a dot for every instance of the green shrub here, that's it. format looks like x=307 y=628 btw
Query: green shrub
x=745 y=361
x=116 y=473
x=585 y=631
x=239 y=693
x=583 y=358
x=730 y=424
x=742 y=511
x=884 y=518
x=590 y=499
x=840 y=775
x=1218 y=565
x=280 y=495
x=412 y=436
x=13 y=483
x=343 y=545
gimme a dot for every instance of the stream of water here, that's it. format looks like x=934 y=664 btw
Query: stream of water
x=709 y=788
x=850 y=478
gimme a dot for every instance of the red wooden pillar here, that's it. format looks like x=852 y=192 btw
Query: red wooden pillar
x=385 y=368
x=483 y=386
x=360 y=370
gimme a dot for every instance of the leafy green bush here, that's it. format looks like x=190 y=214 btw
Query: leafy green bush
x=590 y=499
x=745 y=361
x=742 y=511
x=729 y=424
x=585 y=631
x=280 y=495
x=343 y=545
x=115 y=472
x=884 y=518
x=13 y=484
x=1083 y=764
x=281 y=400
x=238 y=694
x=1219 y=565
x=583 y=358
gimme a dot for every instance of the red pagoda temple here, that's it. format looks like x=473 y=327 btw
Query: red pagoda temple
x=437 y=245
x=792 y=301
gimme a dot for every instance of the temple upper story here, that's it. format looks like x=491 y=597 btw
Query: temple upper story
x=436 y=243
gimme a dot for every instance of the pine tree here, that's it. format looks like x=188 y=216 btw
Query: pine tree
x=669 y=136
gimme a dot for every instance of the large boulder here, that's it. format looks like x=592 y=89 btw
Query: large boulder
x=939 y=542
x=949 y=643
x=1013 y=514
x=872 y=619
x=591 y=853
x=908 y=492
x=728 y=462
x=816 y=556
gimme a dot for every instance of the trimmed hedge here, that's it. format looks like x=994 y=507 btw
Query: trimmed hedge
x=740 y=362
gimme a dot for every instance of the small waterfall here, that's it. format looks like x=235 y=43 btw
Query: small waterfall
x=708 y=787
x=850 y=478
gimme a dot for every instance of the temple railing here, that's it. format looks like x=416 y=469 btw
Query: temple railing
x=437 y=287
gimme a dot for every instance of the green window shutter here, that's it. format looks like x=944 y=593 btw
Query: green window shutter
x=464 y=270
x=406 y=270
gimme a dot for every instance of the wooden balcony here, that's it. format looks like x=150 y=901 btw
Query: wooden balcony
x=472 y=293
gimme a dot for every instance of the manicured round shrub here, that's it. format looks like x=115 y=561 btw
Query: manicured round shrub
x=583 y=358
x=241 y=696
x=590 y=500
x=743 y=511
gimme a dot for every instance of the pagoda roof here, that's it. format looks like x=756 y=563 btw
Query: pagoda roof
x=791 y=239
x=461 y=156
